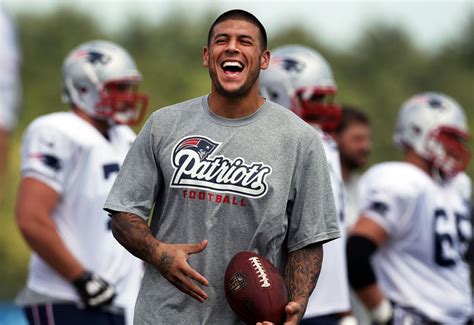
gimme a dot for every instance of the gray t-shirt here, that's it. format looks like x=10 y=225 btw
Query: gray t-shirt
x=258 y=183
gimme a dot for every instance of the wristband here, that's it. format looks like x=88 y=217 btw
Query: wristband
x=383 y=312
x=348 y=320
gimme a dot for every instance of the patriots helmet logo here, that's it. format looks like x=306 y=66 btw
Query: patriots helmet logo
x=433 y=101
x=96 y=57
x=202 y=146
x=288 y=64
x=92 y=57
x=292 y=65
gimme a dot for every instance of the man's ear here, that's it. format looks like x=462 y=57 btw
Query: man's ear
x=205 y=57
x=265 y=60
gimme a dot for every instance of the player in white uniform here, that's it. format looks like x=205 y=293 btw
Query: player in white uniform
x=353 y=137
x=415 y=222
x=9 y=85
x=79 y=273
x=300 y=79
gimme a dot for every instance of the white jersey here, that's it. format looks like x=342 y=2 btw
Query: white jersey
x=80 y=164
x=331 y=294
x=351 y=207
x=428 y=225
x=9 y=73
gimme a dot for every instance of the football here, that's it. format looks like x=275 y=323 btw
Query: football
x=255 y=289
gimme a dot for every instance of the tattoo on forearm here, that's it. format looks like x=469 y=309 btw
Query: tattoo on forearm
x=302 y=272
x=135 y=235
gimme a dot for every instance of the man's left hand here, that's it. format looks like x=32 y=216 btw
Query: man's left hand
x=294 y=313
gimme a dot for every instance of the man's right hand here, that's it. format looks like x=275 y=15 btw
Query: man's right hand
x=93 y=290
x=172 y=262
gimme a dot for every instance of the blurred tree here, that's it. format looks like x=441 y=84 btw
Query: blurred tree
x=297 y=35
x=378 y=73
x=46 y=40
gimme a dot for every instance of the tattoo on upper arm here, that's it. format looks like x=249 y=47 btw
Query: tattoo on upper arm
x=302 y=271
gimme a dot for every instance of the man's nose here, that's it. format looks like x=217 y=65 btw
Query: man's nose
x=232 y=46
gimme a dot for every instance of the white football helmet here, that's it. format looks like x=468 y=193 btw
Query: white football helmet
x=300 y=79
x=101 y=78
x=435 y=126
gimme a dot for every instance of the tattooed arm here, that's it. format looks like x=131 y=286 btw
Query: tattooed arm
x=135 y=235
x=301 y=274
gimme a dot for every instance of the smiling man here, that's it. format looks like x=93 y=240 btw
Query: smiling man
x=220 y=174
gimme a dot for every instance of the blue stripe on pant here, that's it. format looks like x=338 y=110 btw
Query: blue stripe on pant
x=70 y=314
x=321 y=320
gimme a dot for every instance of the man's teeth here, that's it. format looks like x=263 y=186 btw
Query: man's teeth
x=232 y=64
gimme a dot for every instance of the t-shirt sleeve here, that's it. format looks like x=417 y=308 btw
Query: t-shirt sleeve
x=388 y=203
x=312 y=213
x=137 y=183
x=47 y=155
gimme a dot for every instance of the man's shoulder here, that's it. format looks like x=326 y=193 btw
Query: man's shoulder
x=290 y=122
x=54 y=121
x=124 y=131
x=462 y=184
x=397 y=177
x=179 y=108
x=66 y=126
x=283 y=112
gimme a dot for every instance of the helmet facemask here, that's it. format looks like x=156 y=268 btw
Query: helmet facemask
x=447 y=150
x=121 y=103
x=315 y=105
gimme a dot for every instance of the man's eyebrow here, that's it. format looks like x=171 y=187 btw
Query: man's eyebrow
x=246 y=36
x=220 y=35
x=228 y=35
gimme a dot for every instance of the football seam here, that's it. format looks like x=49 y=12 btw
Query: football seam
x=262 y=275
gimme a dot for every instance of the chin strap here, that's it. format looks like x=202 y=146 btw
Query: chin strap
x=438 y=176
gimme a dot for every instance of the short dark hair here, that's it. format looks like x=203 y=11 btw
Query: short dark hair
x=240 y=14
x=351 y=115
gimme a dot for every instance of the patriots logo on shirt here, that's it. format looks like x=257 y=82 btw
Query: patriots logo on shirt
x=379 y=207
x=51 y=161
x=202 y=146
x=196 y=167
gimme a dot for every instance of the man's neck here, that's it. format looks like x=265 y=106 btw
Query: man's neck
x=101 y=125
x=413 y=158
x=345 y=173
x=234 y=107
